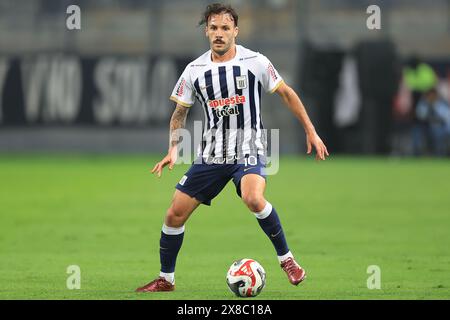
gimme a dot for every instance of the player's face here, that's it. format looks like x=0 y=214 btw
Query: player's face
x=221 y=32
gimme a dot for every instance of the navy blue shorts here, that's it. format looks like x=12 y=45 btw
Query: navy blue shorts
x=205 y=181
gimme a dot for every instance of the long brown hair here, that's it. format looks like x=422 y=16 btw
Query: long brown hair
x=218 y=8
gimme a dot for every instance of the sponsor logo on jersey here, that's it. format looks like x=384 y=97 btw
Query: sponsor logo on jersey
x=246 y=58
x=227 y=111
x=180 y=88
x=272 y=72
x=226 y=101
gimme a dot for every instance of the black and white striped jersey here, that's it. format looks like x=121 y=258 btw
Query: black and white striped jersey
x=230 y=95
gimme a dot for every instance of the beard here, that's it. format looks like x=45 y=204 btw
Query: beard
x=221 y=51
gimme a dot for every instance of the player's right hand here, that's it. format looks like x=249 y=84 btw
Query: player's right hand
x=313 y=140
x=170 y=160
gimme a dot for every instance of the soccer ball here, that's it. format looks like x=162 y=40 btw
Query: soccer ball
x=246 y=278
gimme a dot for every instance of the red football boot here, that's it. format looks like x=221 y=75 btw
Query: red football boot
x=158 y=285
x=294 y=272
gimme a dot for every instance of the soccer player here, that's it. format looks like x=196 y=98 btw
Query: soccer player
x=227 y=81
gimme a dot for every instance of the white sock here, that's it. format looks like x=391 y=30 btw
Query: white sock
x=264 y=213
x=168 y=276
x=285 y=256
x=171 y=230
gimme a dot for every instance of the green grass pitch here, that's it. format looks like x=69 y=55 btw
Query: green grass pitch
x=104 y=214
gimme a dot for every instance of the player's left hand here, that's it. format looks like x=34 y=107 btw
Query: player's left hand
x=313 y=139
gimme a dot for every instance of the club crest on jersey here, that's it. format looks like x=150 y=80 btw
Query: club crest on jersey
x=241 y=82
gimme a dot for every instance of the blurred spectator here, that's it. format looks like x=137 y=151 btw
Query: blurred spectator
x=433 y=126
x=419 y=77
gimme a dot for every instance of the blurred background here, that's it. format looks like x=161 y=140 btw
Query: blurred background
x=84 y=115
x=105 y=87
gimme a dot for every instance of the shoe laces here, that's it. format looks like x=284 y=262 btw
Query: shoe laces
x=161 y=280
x=290 y=265
x=156 y=281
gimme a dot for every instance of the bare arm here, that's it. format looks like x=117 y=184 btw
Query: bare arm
x=178 y=121
x=293 y=102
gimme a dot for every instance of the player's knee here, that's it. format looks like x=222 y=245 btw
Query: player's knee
x=175 y=218
x=254 y=202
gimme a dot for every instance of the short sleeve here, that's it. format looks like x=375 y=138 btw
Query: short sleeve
x=183 y=93
x=270 y=77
